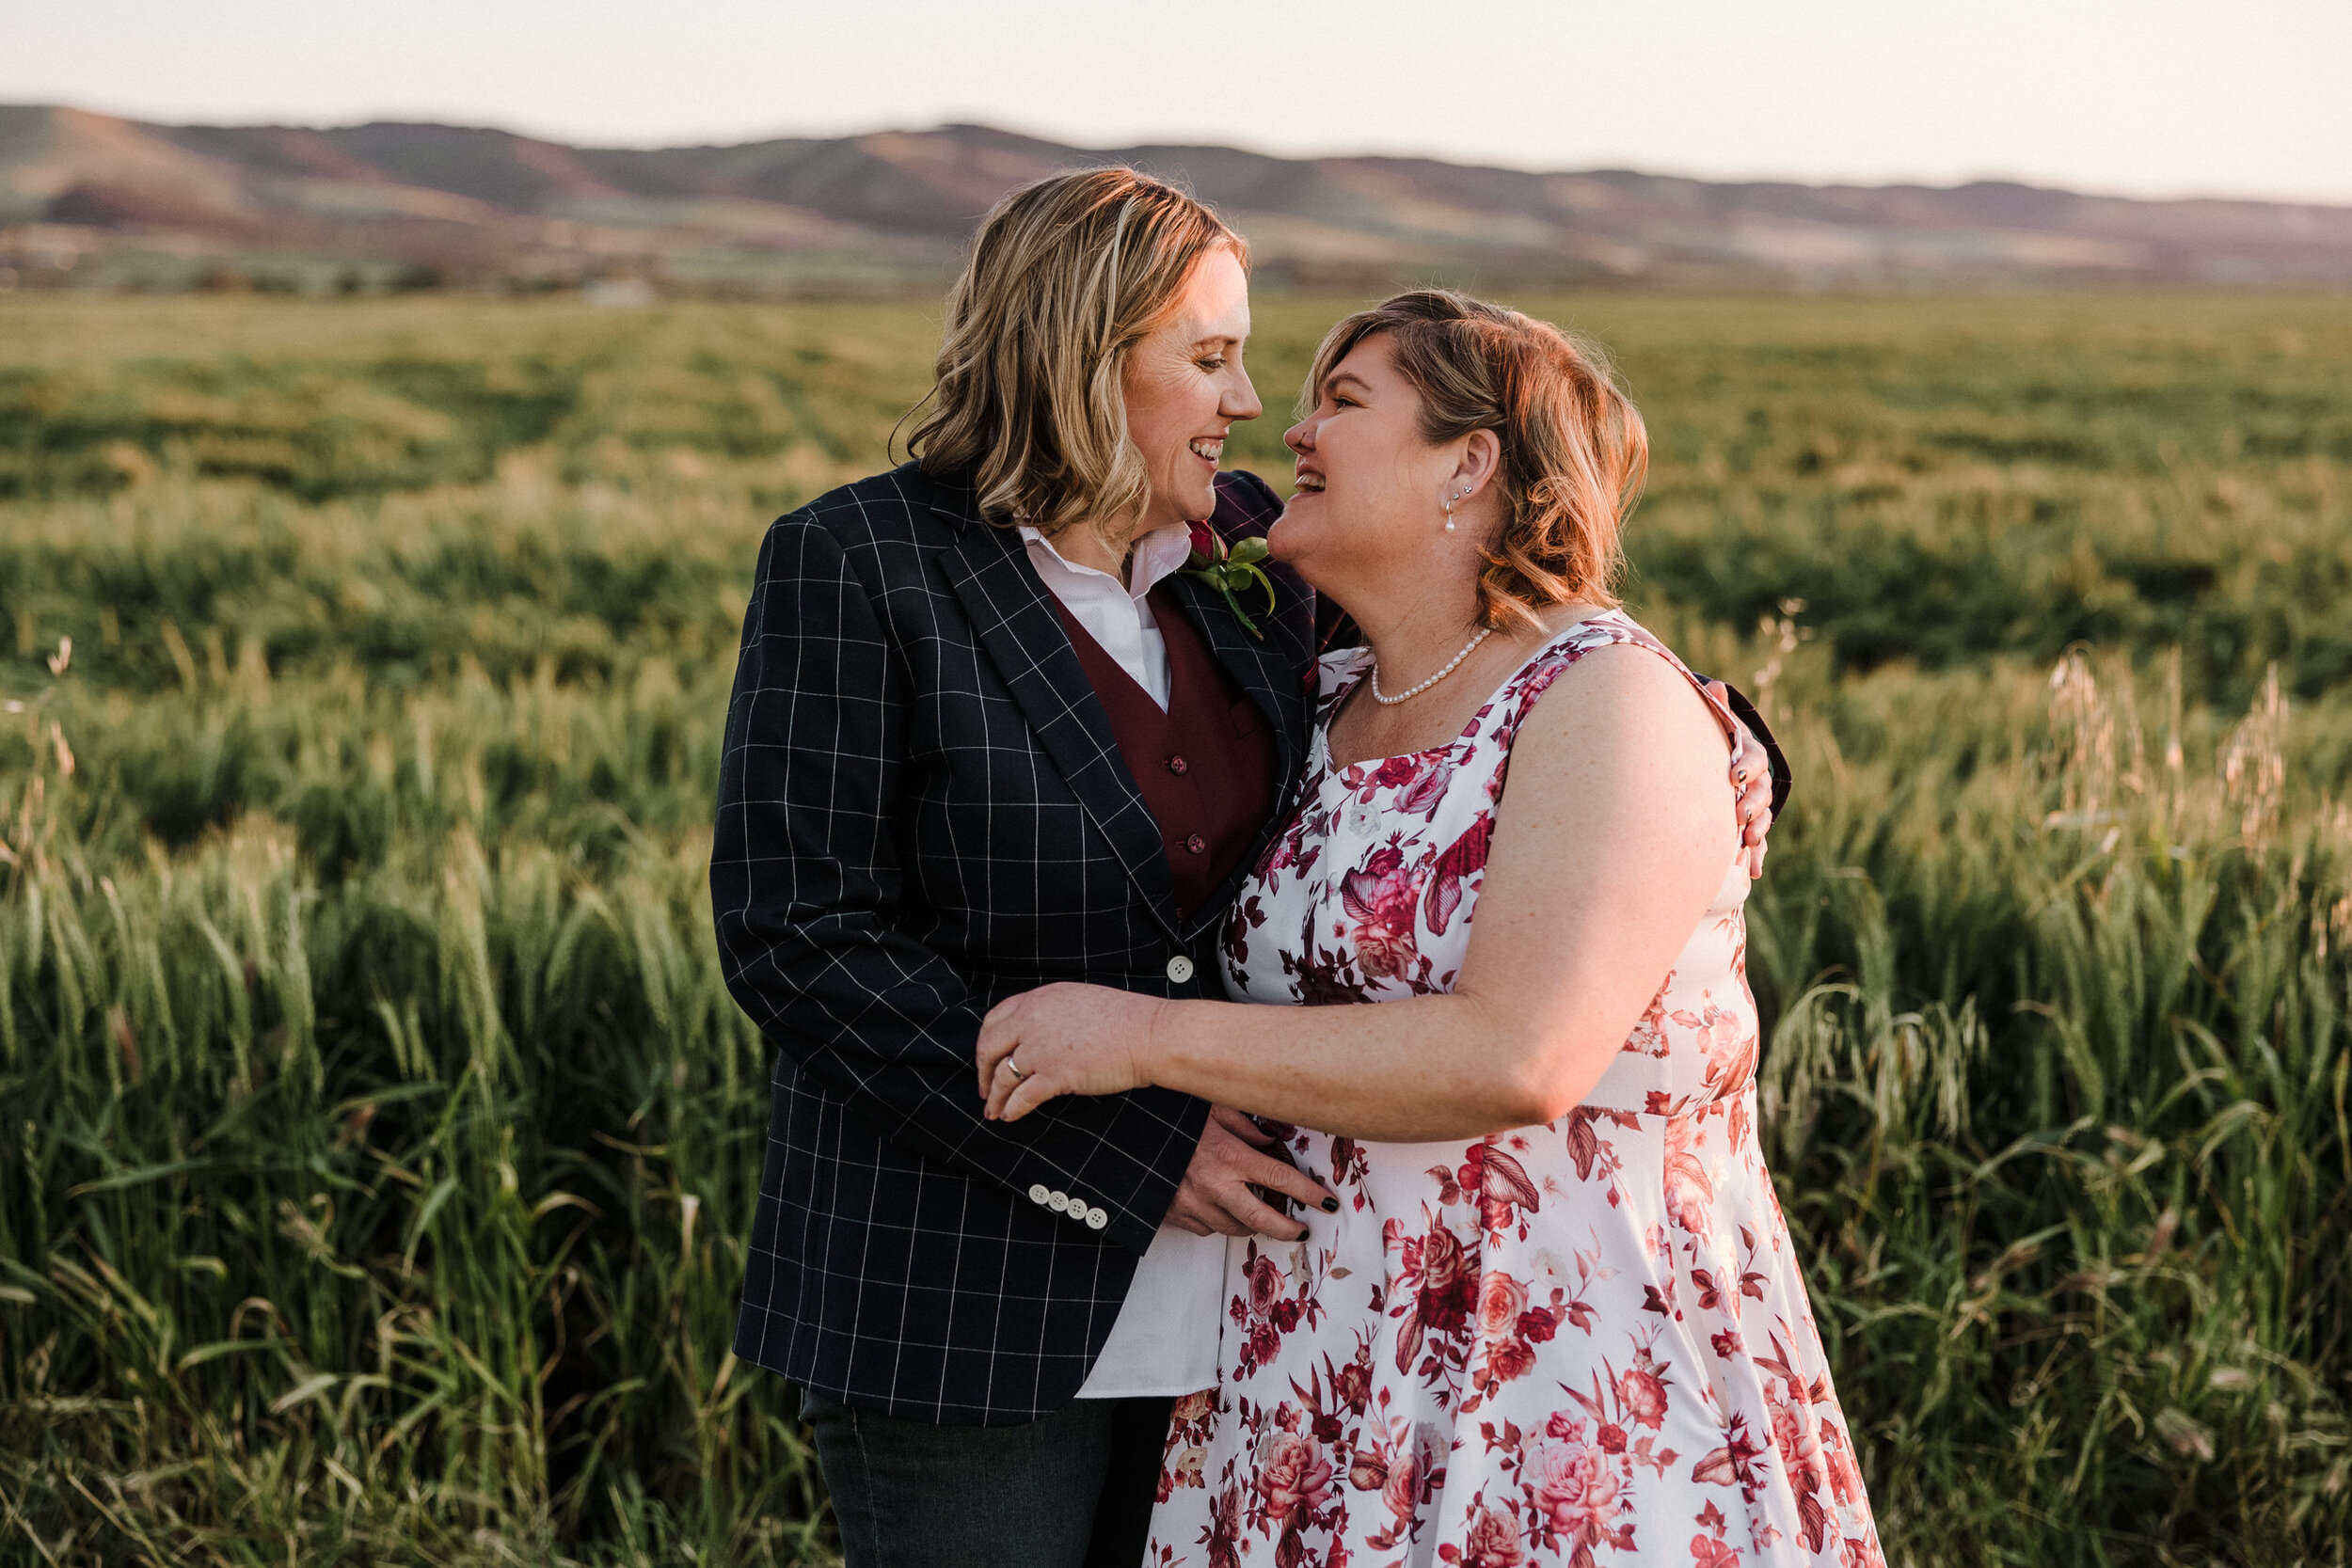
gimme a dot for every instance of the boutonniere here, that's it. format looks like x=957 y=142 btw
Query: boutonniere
x=1228 y=568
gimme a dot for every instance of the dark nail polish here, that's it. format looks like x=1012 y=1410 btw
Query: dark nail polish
x=1330 y=1205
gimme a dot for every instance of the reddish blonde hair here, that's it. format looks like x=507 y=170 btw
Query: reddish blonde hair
x=1574 y=450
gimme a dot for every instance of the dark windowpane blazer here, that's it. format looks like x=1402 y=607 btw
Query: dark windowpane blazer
x=922 y=811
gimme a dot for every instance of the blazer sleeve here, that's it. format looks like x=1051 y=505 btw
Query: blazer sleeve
x=806 y=887
x=1784 y=779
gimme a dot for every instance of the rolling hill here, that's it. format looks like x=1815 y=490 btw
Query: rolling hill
x=85 y=196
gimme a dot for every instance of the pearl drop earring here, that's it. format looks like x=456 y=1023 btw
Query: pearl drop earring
x=1449 y=506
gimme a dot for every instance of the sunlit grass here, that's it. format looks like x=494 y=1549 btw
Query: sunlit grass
x=380 y=1143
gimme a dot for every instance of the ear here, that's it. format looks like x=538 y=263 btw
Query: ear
x=1481 y=459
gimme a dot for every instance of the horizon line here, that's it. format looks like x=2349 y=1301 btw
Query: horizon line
x=1176 y=143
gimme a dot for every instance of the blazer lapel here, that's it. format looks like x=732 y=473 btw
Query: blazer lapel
x=1011 y=615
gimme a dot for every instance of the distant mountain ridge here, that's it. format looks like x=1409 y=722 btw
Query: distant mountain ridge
x=116 y=196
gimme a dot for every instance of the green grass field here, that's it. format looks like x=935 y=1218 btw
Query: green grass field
x=378 y=1141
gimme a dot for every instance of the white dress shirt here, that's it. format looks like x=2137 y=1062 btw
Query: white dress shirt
x=1165 y=1341
x=1116 y=613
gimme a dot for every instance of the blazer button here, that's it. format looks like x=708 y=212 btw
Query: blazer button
x=1040 y=1194
x=1059 y=1203
x=1177 y=765
x=1195 y=844
x=1180 y=969
x=1096 y=1219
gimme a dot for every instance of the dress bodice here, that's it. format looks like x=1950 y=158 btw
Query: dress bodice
x=1367 y=895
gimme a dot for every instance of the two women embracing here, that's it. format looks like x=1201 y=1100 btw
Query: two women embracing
x=1094 y=1229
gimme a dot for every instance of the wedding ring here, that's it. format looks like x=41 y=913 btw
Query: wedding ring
x=1017 y=1073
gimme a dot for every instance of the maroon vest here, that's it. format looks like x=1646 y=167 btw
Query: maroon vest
x=1206 y=767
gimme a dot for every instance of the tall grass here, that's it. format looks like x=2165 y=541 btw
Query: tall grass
x=392 y=1217
x=379 y=1143
x=2057 y=1089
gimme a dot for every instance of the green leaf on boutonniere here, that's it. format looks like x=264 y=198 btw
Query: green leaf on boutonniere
x=1232 y=570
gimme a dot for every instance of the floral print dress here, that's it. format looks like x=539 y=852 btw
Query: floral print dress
x=1585 y=1343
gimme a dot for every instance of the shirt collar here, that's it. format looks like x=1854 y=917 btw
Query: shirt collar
x=1158 y=554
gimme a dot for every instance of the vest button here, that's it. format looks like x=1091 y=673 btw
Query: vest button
x=1180 y=969
x=1177 y=765
x=1195 y=844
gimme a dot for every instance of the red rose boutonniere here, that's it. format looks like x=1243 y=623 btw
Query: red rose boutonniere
x=1227 y=567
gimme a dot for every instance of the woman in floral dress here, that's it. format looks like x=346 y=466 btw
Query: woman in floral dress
x=1557 y=1317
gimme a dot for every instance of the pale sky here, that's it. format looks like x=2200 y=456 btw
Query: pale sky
x=2137 y=97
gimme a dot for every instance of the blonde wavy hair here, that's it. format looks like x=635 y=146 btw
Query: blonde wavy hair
x=1574 y=450
x=1067 y=276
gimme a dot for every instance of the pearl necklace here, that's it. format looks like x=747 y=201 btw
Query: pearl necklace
x=1452 y=665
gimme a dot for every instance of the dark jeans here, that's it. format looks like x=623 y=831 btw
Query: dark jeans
x=1074 y=1490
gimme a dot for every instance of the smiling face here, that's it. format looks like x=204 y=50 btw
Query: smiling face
x=1370 y=488
x=1185 y=388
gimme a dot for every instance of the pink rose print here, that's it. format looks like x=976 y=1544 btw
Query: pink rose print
x=1266 y=1286
x=1643 y=1390
x=1442 y=1271
x=1292 y=1474
x=1425 y=791
x=1492 y=1542
x=1501 y=1300
x=1438 y=1287
x=1509 y=1359
x=1378 y=896
x=1576 y=1488
x=1267 y=1309
x=1799 y=1442
x=1401 y=1493
x=1511 y=1328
